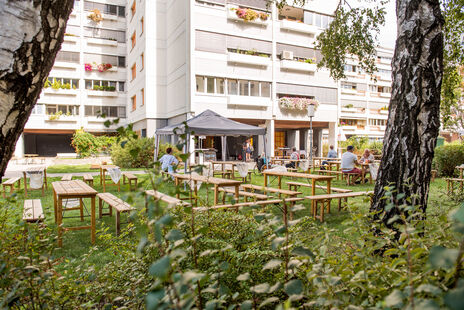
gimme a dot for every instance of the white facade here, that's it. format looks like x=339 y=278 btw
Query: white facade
x=173 y=59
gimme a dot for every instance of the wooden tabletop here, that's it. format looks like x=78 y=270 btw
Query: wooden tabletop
x=34 y=169
x=73 y=188
x=210 y=180
x=108 y=166
x=298 y=175
x=227 y=162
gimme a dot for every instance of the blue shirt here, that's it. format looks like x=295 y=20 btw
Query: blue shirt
x=332 y=154
x=167 y=161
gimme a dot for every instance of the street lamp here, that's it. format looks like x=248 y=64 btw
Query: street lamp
x=311 y=108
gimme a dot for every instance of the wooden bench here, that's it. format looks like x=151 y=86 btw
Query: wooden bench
x=349 y=176
x=450 y=184
x=33 y=211
x=88 y=178
x=10 y=183
x=326 y=199
x=67 y=177
x=294 y=186
x=244 y=194
x=262 y=203
x=130 y=177
x=163 y=197
x=224 y=173
x=266 y=190
x=114 y=203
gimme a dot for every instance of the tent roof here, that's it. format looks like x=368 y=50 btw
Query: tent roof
x=212 y=124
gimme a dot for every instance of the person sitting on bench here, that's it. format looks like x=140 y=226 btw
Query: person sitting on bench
x=293 y=156
x=168 y=161
x=331 y=154
x=349 y=162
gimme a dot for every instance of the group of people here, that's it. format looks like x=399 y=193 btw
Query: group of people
x=350 y=161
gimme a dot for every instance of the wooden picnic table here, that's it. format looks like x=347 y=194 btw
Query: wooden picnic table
x=224 y=163
x=460 y=168
x=364 y=168
x=29 y=158
x=35 y=169
x=73 y=189
x=217 y=182
x=313 y=177
x=103 y=170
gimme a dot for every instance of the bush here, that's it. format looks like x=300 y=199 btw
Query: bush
x=86 y=144
x=162 y=150
x=134 y=153
x=447 y=157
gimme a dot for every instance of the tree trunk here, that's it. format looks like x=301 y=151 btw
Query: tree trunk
x=31 y=35
x=414 y=118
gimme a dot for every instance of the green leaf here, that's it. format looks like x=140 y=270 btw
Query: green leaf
x=395 y=299
x=268 y=301
x=273 y=263
x=428 y=288
x=160 y=268
x=260 y=288
x=426 y=304
x=174 y=234
x=107 y=123
x=153 y=299
x=294 y=287
x=246 y=305
x=454 y=299
x=243 y=277
x=459 y=215
x=302 y=251
x=441 y=257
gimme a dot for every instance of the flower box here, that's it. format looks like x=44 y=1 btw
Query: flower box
x=349 y=91
x=98 y=41
x=298 y=27
x=297 y=66
x=249 y=101
x=297 y=103
x=60 y=91
x=63 y=119
x=232 y=15
x=249 y=59
x=385 y=112
x=101 y=93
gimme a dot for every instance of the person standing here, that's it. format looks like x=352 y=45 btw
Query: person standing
x=168 y=161
x=249 y=150
x=349 y=162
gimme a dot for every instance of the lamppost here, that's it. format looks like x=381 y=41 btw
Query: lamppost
x=311 y=108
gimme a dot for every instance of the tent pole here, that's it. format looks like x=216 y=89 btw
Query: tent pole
x=223 y=145
x=187 y=148
x=265 y=149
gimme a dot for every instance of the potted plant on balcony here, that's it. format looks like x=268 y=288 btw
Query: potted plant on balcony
x=95 y=16
x=383 y=110
x=297 y=103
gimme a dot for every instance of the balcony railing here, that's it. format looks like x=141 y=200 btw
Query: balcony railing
x=298 y=26
x=297 y=66
x=249 y=59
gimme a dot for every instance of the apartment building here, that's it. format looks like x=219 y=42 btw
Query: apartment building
x=88 y=79
x=159 y=62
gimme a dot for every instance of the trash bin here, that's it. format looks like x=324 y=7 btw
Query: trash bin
x=440 y=141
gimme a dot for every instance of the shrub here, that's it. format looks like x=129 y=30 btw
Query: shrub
x=447 y=157
x=175 y=151
x=86 y=144
x=134 y=153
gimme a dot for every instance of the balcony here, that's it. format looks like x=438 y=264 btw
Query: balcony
x=298 y=27
x=250 y=101
x=65 y=65
x=60 y=91
x=101 y=93
x=297 y=66
x=109 y=17
x=62 y=119
x=349 y=91
x=349 y=127
x=349 y=110
x=232 y=15
x=70 y=38
x=249 y=59
x=385 y=95
x=98 y=41
x=384 y=112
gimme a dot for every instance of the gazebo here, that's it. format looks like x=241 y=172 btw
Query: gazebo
x=209 y=123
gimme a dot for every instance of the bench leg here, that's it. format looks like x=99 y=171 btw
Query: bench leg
x=81 y=207
x=328 y=201
x=118 y=223
x=100 y=208
x=321 y=218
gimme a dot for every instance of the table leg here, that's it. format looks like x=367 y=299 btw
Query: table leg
x=55 y=206
x=100 y=208
x=215 y=194
x=92 y=220
x=101 y=173
x=104 y=181
x=313 y=193
x=280 y=182
x=329 y=188
x=45 y=178
x=176 y=181
x=59 y=221
x=81 y=207
x=237 y=190
x=265 y=180
x=25 y=184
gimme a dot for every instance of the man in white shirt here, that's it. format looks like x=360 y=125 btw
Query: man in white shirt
x=349 y=162
x=168 y=161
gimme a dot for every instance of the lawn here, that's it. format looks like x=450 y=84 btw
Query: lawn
x=77 y=168
x=77 y=243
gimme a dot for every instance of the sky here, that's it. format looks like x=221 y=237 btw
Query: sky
x=387 y=34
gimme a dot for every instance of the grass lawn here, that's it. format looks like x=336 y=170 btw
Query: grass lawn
x=76 y=168
x=77 y=243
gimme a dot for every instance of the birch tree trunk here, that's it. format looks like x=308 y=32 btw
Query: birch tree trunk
x=414 y=118
x=31 y=34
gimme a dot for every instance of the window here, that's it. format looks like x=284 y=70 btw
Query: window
x=103 y=85
x=133 y=8
x=134 y=102
x=63 y=109
x=243 y=88
x=64 y=83
x=67 y=56
x=210 y=85
x=110 y=9
x=232 y=87
x=108 y=111
x=134 y=71
x=133 y=40
x=265 y=89
x=254 y=88
x=373 y=88
x=142 y=94
x=384 y=89
x=349 y=122
x=349 y=86
x=350 y=68
x=121 y=86
x=220 y=86
x=142 y=26
x=200 y=84
x=142 y=61
x=143 y=132
x=377 y=122
x=121 y=61
x=121 y=11
x=38 y=109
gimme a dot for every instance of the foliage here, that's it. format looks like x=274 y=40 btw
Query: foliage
x=86 y=144
x=104 y=88
x=95 y=16
x=297 y=103
x=100 y=67
x=134 y=152
x=175 y=151
x=447 y=157
x=249 y=15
